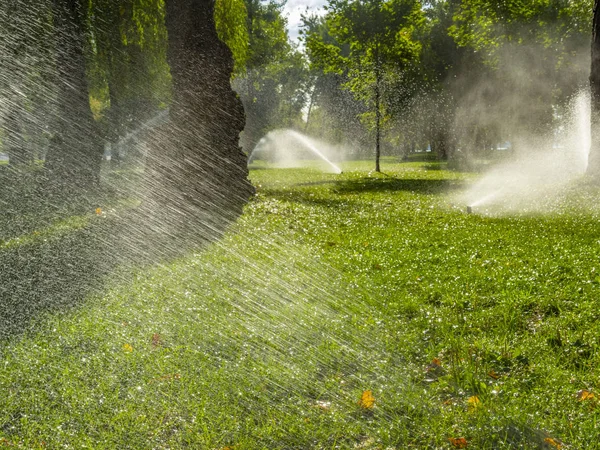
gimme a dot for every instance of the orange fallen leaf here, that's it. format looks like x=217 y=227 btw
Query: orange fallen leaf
x=128 y=348
x=98 y=211
x=584 y=394
x=553 y=442
x=434 y=370
x=460 y=442
x=367 y=401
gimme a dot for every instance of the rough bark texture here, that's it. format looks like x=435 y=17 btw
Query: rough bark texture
x=75 y=155
x=197 y=173
x=594 y=158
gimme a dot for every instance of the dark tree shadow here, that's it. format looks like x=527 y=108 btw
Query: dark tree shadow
x=434 y=167
x=390 y=184
x=50 y=273
x=57 y=249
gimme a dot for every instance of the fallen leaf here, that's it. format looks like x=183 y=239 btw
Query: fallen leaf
x=128 y=348
x=367 y=401
x=493 y=374
x=98 y=211
x=434 y=370
x=460 y=442
x=584 y=394
x=168 y=377
x=553 y=442
x=473 y=403
x=156 y=340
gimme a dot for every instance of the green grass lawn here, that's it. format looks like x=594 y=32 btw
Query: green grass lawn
x=461 y=327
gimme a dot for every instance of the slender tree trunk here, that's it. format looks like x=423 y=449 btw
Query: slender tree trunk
x=594 y=158
x=310 y=106
x=377 y=112
x=75 y=154
x=117 y=80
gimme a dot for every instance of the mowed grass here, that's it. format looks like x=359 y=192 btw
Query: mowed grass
x=466 y=330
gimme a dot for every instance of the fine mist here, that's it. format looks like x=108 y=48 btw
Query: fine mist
x=291 y=149
x=531 y=182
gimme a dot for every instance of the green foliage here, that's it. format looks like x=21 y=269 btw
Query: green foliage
x=231 y=21
x=273 y=85
x=369 y=44
x=128 y=67
x=487 y=25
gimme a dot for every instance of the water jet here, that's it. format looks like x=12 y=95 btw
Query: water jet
x=288 y=148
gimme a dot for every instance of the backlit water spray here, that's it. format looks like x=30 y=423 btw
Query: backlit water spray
x=533 y=180
x=289 y=148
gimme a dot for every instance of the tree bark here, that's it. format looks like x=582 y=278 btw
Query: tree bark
x=75 y=154
x=377 y=112
x=594 y=157
x=197 y=173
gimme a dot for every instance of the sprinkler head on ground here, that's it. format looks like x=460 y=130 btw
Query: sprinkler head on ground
x=469 y=210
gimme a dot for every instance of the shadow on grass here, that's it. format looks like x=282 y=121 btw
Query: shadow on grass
x=50 y=273
x=390 y=184
x=435 y=166
x=58 y=251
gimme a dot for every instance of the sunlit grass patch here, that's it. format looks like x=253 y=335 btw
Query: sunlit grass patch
x=359 y=310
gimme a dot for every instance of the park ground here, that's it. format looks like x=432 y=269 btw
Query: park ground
x=352 y=311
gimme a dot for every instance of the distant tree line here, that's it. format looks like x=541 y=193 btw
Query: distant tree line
x=385 y=77
x=458 y=75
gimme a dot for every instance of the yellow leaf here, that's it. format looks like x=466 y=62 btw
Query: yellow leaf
x=460 y=442
x=128 y=348
x=473 y=403
x=553 y=442
x=493 y=374
x=99 y=211
x=367 y=401
x=585 y=395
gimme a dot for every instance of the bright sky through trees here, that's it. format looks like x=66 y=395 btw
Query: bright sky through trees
x=295 y=8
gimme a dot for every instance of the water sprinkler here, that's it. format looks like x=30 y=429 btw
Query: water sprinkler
x=469 y=210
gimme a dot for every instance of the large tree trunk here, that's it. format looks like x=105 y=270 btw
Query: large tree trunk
x=594 y=158
x=76 y=152
x=197 y=174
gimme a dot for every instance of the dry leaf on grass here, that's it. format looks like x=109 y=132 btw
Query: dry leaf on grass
x=460 y=442
x=584 y=394
x=367 y=401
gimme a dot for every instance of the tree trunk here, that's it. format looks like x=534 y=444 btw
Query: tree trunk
x=197 y=174
x=594 y=157
x=377 y=113
x=75 y=154
x=310 y=106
